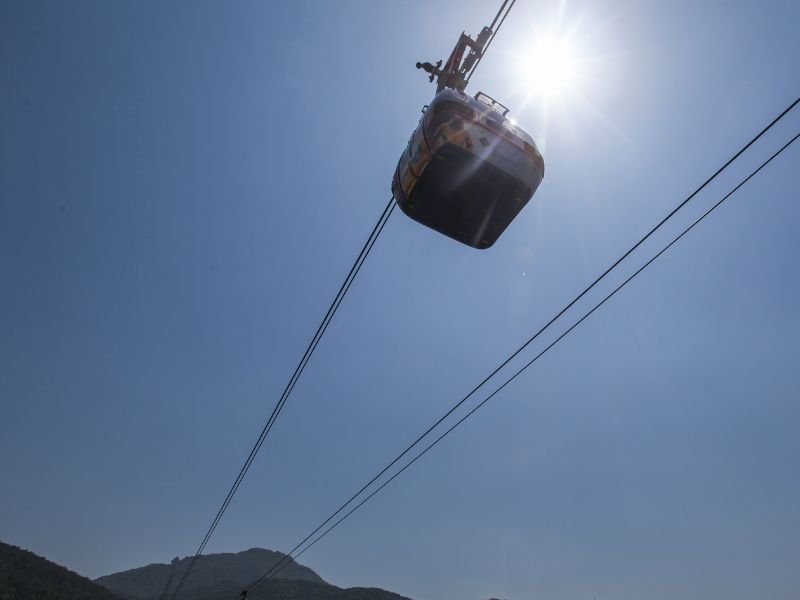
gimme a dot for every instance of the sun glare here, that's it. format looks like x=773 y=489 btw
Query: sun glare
x=550 y=67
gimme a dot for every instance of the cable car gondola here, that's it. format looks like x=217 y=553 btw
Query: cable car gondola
x=467 y=170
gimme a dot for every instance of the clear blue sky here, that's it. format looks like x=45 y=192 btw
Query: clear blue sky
x=183 y=186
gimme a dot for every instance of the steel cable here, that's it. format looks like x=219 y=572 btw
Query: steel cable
x=345 y=287
x=280 y=564
x=546 y=349
x=494 y=33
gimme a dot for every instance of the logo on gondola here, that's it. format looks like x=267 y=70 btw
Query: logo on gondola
x=484 y=142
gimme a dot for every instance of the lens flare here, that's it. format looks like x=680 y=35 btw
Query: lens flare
x=550 y=67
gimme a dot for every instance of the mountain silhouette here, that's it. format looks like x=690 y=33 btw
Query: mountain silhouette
x=27 y=576
x=222 y=577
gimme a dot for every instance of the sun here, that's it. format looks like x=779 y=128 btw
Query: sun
x=549 y=67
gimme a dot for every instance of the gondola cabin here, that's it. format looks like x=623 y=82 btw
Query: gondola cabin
x=467 y=170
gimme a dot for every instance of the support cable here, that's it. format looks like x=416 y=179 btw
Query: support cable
x=345 y=287
x=547 y=348
x=497 y=16
x=281 y=563
x=494 y=33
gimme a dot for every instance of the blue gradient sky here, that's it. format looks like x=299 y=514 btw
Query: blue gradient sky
x=183 y=186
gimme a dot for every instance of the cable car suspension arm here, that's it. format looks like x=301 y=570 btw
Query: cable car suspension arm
x=457 y=70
